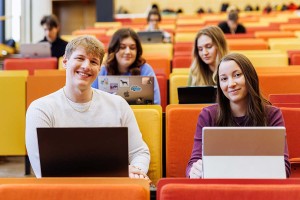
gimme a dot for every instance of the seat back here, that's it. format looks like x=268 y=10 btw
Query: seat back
x=176 y=80
x=279 y=83
x=39 y=86
x=149 y=119
x=30 y=64
x=73 y=191
x=12 y=117
x=229 y=192
x=181 y=121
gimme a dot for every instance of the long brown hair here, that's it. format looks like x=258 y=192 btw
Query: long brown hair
x=200 y=71
x=256 y=109
x=114 y=47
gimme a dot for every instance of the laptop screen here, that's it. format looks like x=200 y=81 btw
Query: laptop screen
x=243 y=152
x=136 y=90
x=83 y=152
x=197 y=94
x=150 y=36
x=37 y=50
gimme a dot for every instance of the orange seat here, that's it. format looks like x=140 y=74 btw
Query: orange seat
x=239 y=36
x=30 y=64
x=274 y=34
x=247 y=44
x=38 y=86
x=73 y=191
x=160 y=65
x=181 y=121
x=279 y=83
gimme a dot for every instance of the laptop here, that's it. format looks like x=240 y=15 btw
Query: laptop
x=136 y=90
x=243 y=152
x=83 y=152
x=150 y=36
x=37 y=50
x=197 y=94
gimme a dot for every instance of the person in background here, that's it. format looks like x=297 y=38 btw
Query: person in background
x=240 y=103
x=209 y=47
x=77 y=104
x=232 y=26
x=51 y=28
x=125 y=58
x=153 y=20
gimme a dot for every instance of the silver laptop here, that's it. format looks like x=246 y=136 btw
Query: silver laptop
x=37 y=50
x=136 y=90
x=83 y=152
x=243 y=152
x=150 y=36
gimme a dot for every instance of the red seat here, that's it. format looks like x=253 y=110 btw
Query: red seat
x=162 y=82
x=30 y=64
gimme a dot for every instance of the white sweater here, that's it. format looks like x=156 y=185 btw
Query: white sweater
x=105 y=110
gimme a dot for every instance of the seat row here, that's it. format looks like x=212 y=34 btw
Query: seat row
x=18 y=90
x=135 y=189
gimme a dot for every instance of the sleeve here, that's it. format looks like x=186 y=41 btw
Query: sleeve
x=203 y=120
x=139 y=154
x=148 y=71
x=276 y=119
x=36 y=116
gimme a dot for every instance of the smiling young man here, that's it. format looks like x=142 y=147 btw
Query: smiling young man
x=77 y=104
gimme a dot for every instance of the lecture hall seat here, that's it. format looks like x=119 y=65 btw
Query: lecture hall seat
x=30 y=64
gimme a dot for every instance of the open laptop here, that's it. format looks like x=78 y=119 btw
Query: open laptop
x=197 y=94
x=136 y=90
x=243 y=152
x=150 y=36
x=83 y=152
x=37 y=50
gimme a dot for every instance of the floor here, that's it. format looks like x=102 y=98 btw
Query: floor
x=13 y=166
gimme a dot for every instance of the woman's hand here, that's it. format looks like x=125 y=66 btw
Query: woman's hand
x=196 y=170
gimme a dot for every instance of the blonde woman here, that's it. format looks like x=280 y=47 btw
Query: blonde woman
x=209 y=47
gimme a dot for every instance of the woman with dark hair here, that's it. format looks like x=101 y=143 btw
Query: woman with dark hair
x=209 y=47
x=125 y=58
x=240 y=103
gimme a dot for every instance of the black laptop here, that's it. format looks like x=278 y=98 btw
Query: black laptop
x=150 y=36
x=197 y=94
x=83 y=152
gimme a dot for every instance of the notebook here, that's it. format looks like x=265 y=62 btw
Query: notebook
x=150 y=36
x=243 y=152
x=197 y=94
x=136 y=90
x=37 y=50
x=83 y=152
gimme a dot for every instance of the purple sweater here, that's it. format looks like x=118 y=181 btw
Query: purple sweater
x=207 y=118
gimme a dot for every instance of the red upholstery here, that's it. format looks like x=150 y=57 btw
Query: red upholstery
x=30 y=64
x=295 y=59
x=182 y=61
x=162 y=190
x=229 y=192
x=284 y=98
x=292 y=121
x=162 y=82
